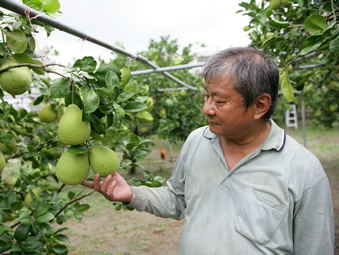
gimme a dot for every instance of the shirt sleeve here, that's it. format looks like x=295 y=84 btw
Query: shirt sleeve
x=167 y=201
x=314 y=222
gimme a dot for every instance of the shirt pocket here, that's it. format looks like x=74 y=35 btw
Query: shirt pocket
x=258 y=217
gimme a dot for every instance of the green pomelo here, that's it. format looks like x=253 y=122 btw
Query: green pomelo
x=183 y=92
x=72 y=130
x=28 y=198
x=4 y=149
x=47 y=113
x=103 y=160
x=15 y=81
x=72 y=169
x=144 y=117
x=144 y=129
x=286 y=3
x=2 y=162
x=10 y=182
x=275 y=4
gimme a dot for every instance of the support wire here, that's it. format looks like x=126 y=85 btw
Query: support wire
x=18 y=8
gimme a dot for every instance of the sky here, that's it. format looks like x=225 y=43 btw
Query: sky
x=134 y=23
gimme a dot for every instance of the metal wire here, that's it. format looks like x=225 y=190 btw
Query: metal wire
x=21 y=8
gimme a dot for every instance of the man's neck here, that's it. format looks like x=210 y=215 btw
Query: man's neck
x=236 y=149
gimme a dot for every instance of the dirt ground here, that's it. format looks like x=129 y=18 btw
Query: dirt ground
x=104 y=230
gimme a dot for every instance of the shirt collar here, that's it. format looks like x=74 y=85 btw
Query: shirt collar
x=275 y=139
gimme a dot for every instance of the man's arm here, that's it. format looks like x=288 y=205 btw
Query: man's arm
x=313 y=221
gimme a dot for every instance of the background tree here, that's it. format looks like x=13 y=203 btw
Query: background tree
x=176 y=111
x=301 y=33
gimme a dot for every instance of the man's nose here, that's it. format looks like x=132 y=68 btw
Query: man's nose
x=208 y=108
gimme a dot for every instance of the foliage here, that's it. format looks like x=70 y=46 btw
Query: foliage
x=31 y=197
x=303 y=37
x=176 y=113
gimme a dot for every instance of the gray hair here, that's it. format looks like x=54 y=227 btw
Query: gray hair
x=253 y=73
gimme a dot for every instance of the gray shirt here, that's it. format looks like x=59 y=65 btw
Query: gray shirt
x=276 y=200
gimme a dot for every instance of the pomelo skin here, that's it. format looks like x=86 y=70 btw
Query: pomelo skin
x=103 y=160
x=2 y=162
x=71 y=129
x=47 y=114
x=15 y=81
x=72 y=169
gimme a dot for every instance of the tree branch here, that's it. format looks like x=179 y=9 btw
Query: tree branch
x=71 y=202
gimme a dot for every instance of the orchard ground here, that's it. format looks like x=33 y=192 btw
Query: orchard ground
x=103 y=230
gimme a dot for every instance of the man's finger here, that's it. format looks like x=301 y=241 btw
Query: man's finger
x=88 y=184
x=105 y=183
x=110 y=189
x=96 y=183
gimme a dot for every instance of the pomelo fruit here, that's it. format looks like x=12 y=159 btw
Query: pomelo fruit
x=15 y=81
x=103 y=160
x=71 y=129
x=47 y=113
x=72 y=169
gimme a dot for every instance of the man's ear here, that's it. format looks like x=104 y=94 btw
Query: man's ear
x=262 y=105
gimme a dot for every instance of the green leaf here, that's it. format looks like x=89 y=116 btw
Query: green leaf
x=261 y=17
x=119 y=111
x=16 y=41
x=23 y=58
x=51 y=6
x=124 y=96
x=25 y=218
x=76 y=99
x=60 y=87
x=16 y=248
x=6 y=139
x=62 y=238
x=91 y=99
x=78 y=215
x=106 y=108
x=315 y=23
x=279 y=24
x=309 y=48
x=31 y=246
x=105 y=92
x=156 y=184
x=109 y=118
x=100 y=73
x=77 y=149
x=5 y=246
x=87 y=64
x=135 y=107
x=42 y=209
x=96 y=124
x=268 y=41
x=287 y=89
x=125 y=76
x=2 y=227
x=39 y=71
x=45 y=218
x=21 y=233
x=334 y=45
x=84 y=208
x=32 y=44
x=111 y=80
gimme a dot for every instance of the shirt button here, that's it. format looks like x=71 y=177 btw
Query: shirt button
x=228 y=178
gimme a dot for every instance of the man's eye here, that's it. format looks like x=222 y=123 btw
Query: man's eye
x=206 y=97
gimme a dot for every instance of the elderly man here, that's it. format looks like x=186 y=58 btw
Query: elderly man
x=242 y=185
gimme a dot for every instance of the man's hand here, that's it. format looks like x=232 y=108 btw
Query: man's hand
x=114 y=187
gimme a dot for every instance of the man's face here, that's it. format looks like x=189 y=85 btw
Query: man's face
x=225 y=110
